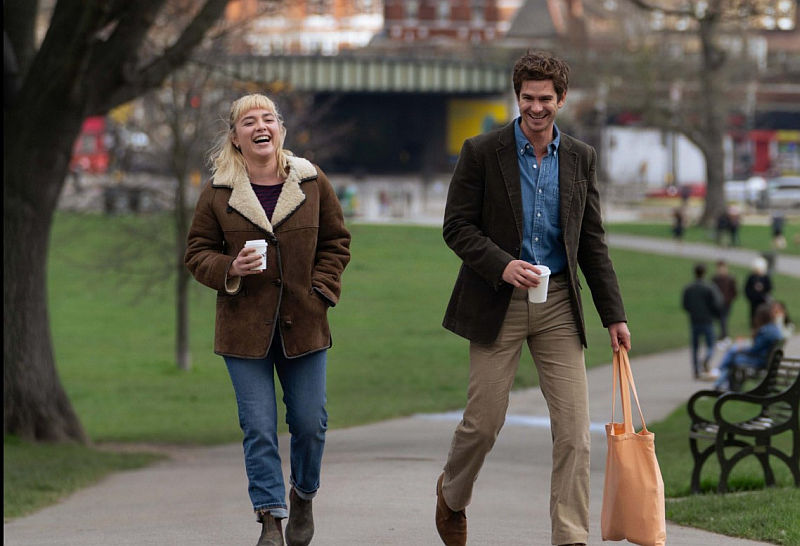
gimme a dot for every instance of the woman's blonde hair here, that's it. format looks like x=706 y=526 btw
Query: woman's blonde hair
x=225 y=159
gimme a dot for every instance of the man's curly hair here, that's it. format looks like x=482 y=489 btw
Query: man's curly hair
x=541 y=66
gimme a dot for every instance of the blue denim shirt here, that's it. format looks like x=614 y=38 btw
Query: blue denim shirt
x=541 y=227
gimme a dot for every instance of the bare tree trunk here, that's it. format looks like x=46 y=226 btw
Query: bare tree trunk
x=713 y=129
x=91 y=59
x=35 y=405
x=183 y=354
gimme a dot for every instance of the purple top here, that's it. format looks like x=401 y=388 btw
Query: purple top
x=268 y=197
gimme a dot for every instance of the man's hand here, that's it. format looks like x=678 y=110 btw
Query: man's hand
x=521 y=274
x=620 y=335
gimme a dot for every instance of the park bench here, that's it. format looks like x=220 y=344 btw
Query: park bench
x=776 y=398
x=740 y=374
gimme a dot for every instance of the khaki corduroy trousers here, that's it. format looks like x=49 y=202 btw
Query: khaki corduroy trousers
x=552 y=336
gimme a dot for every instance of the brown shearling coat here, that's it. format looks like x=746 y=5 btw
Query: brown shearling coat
x=483 y=226
x=308 y=249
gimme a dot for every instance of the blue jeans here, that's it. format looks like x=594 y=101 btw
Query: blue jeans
x=702 y=331
x=735 y=357
x=303 y=383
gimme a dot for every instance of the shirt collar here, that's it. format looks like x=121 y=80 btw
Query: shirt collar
x=522 y=140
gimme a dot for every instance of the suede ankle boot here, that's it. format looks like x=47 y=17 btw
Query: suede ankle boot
x=271 y=531
x=300 y=528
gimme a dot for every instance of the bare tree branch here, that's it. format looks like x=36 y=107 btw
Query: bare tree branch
x=155 y=72
x=19 y=20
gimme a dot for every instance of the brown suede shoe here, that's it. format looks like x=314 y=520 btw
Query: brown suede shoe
x=452 y=526
x=271 y=531
x=300 y=528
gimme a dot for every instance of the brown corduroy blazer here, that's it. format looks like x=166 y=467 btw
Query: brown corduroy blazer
x=483 y=226
x=308 y=249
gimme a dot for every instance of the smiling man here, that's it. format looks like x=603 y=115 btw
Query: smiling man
x=521 y=197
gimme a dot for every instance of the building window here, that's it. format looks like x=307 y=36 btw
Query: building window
x=364 y=6
x=412 y=9
x=318 y=7
x=477 y=11
x=443 y=10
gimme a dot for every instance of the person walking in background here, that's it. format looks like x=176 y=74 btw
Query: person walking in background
x=753 y=354
x=702 y=301
x=271 y=314
x=726 y=284
x=734 y=222
x=757 y=286
x=723 y=226
x=521 y=197
x=678 y=223
x=777 y=223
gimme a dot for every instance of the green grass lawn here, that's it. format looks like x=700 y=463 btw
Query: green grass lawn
x=755 y=237
x=749 y=511
x=37 y=475
x=113 y=323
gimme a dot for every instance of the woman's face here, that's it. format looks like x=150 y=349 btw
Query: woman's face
x=258 y=134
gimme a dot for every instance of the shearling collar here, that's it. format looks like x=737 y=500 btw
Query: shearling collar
x=243 y=199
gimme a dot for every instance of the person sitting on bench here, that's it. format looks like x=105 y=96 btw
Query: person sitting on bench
x=765 y=334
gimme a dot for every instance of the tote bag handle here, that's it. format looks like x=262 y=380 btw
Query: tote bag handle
x=622 y=372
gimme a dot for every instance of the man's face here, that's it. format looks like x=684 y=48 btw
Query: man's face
x=538 y=105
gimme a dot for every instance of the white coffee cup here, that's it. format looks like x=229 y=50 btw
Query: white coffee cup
x=261 y=247
x=538 y=294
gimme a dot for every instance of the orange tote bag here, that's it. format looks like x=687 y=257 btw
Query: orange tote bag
x=633 y=495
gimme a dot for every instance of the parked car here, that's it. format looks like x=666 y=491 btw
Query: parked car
x=782 y=192
x=687 y=190
x=745 y=191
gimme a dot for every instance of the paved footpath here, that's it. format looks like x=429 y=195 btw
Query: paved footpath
x=378 y=480
x=784 y=263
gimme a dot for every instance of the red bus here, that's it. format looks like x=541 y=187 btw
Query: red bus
x=90 y=153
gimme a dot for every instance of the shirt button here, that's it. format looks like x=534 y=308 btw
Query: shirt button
x=540 y=191
x=538 y=214
x=535 y=238
x=534 y=165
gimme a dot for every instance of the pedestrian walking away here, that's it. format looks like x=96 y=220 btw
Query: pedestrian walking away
x=734 y=222
x=776 y=225
x=269 y=236
x=524 y=200
x=703 y=302
x=726 y=283
x=678 y=223
x=757 y=286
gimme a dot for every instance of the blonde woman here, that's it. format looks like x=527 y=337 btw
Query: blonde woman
x=273 y=319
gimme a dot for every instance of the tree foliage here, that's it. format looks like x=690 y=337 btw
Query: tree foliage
x=684 y=66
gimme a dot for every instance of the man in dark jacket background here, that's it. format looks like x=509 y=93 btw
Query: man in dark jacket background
x=703 y=302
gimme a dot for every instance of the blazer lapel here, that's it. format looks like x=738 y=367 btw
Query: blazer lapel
x=509 y=167
x=567 y=165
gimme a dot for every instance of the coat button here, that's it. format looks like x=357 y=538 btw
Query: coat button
x=276 y=282
x=287 y=323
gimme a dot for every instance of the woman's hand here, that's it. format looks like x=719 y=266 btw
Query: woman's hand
x=245 y=262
